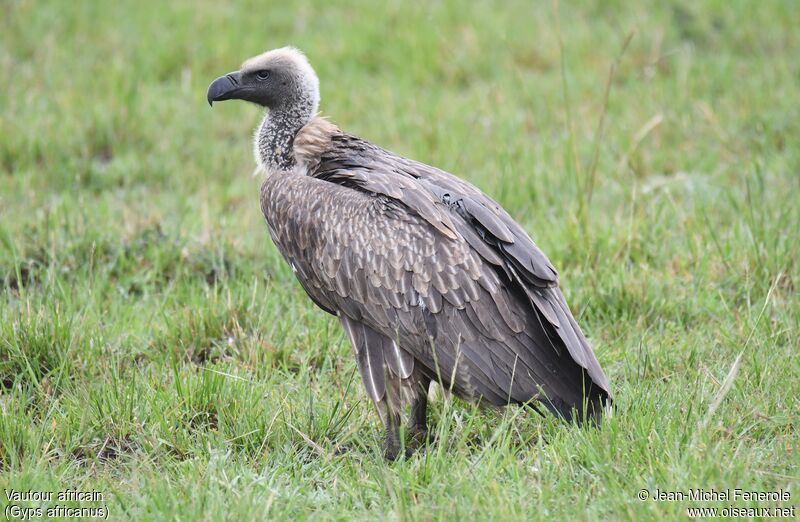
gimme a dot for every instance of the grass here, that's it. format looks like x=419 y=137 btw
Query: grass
x=154 y=346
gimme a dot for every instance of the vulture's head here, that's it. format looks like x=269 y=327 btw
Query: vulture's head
x=277 y=79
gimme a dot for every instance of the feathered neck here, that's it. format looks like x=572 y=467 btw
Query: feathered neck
x=274 y=139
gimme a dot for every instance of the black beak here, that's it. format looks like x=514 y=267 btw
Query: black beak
x=225 y=87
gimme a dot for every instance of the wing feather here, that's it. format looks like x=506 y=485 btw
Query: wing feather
x=429 y=262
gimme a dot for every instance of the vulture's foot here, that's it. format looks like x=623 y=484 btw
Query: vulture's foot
x=392 y=446
x=394 y=453
x=417 y=435
x=392 y=442
x=418 y=438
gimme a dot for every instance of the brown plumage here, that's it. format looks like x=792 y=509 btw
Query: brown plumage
x=431 y=279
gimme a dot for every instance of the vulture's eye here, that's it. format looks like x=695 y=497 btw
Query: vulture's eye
x=262 y=75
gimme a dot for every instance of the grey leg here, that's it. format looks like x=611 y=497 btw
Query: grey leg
x=392 y=442
x=418 y=422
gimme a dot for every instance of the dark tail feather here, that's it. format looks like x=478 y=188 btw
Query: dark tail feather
x=595 y=401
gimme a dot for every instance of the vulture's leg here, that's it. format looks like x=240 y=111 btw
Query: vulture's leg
x=392 y=442
x=370 y=347
x=418 y=422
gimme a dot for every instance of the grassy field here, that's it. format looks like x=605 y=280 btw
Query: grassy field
x=154 y=346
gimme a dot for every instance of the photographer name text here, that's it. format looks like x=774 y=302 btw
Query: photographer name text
x=715 y=495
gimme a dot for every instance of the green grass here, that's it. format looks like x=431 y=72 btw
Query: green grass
x=154 y=346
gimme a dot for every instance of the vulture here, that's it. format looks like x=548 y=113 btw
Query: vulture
x=431 y=279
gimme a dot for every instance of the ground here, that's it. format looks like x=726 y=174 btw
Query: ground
x=154 y=346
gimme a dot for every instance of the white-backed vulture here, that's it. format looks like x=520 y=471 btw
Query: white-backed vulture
x=431 y=279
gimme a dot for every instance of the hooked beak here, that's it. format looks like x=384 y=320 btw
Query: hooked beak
x=225 y=88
